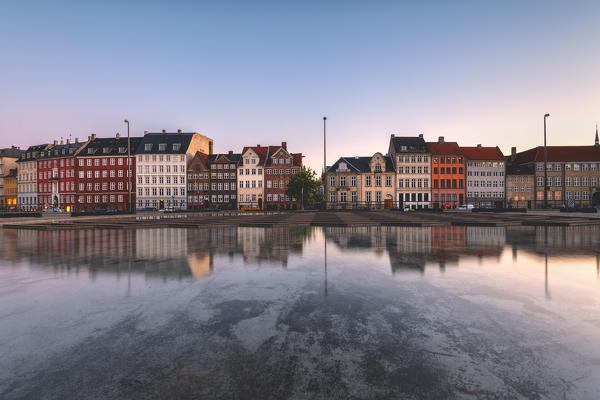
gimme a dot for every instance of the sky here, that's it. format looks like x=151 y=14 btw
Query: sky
x=262 y=72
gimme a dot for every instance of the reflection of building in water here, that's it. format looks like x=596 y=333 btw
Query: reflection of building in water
x=411 y=248
x=555 y=240
x=271 y=245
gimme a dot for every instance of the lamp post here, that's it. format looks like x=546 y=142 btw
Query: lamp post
x=545 y=165
x=128 y=168
x=325 y=162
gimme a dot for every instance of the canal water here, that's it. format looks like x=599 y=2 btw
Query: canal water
x=301 y=313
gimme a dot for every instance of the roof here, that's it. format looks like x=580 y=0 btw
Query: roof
x=104 y=147
x=518 y=169
x=33 y=152
x=61 y=150
x=412 y=144
x=444 y=148
x=234 y=157
x=154 y=140
x=559 y=154
x=261 y=151
x=199 y=162
x=11 y=152
x=12 y=173
x=360 y=164
x=482 y=153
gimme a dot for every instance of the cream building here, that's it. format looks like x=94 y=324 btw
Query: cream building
x=27 y=178
x=486 y=170
x=8 y=161
x=412 y=161
x=250 y=177
x=161 y=162
x=357 y=182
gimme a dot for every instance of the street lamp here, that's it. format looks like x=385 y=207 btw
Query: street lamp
x=128 y=168
x=325 y=162
x=545 y=165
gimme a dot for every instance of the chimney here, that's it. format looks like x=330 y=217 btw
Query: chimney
x=93 y=136
x=441 y=139
x=164 y=131
x=420 y=135
x=230 y=152
x=61 y=141
x=146 y=132
x=258 y=145
x=76 y=140
x=479 y=146
x=55 y=142
x=392 y=135
x=118 y=135
x=513 y=153
x=68 y=141
x=284 y=145
x=178 y=130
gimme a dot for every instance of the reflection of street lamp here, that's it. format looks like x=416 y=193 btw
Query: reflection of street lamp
x=325 y=161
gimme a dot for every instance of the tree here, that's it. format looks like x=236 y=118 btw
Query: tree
x=304 y=186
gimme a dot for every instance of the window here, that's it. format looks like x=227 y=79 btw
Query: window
x=378 y=181
x=176 y=146
x=147 y=146
x=342 y=181
x=368 y=197
x=353 y=181
x=378 y=197
x=367 y=181
x=343 y=197
x=388 y=181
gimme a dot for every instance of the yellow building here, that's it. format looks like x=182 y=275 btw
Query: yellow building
x=10 y=190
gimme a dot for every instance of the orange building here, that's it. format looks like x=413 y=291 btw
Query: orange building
x=448 y=174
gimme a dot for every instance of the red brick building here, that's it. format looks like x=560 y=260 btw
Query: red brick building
x=198 y=171
x=280 y=167
x=102 y=174
x=56 y=176
x=448 y=174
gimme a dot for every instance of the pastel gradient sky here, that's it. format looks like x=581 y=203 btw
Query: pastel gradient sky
x=255 y=72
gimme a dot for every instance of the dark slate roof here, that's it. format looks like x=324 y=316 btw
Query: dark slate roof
x=33 y=152
x=414 y=144
x=234 y=158
x=513 y=168
x=11 y=152
x=156 y=138
x=70 y=149
x=360 y=164
x=108 y=147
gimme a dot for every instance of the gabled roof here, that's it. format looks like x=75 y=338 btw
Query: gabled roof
x=200 y=162
x=559 y=154
x=482 y=153
x=104 y=147
x=263 y=152
x=412 y=144
x=360 y=164
x=444 y=148
x=155 y=139
x=234 y=157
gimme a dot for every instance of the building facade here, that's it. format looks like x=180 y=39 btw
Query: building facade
x=280 y=167
x=27 y=178
x=520 y=185
x=250 y=193
x=447 y=174
x=412 y=162
x=361 y=182
x=8 y=161
x=10 y=190
x=104 y=174
x=223 y=180
x=198 y=182
x=56 y=175
x=485 y=175
x=162 y=160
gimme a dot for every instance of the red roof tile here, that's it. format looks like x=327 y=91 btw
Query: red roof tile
x=444 y=148
x=482 y=153
x=559 y=154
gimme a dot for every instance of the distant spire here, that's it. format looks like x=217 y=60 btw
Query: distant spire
x=597 y=143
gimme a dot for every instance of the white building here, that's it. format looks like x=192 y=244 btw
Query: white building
x=412 y=162
x=161 y=162
x=27 y=178
x=486 y=168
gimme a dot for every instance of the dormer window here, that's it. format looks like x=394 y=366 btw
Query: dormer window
x=122 y=150
x=377 y=167
x=275 y=161
x=106 y=150
x=162 y=146
x=403 y=148
x=147 y=146
x=176 y=146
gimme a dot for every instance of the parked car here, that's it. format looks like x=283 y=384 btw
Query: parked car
x=167 y=210
x=465 y=207
x=53 y=209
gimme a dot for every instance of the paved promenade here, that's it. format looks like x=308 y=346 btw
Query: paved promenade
x=303 y=218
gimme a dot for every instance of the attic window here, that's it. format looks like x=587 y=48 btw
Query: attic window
x=176 y=146
x=377 y=167
x=122 y=150
x=63 y=151
x=91 y=151
x=106 y=150
x=147 y=146
x=403 y=148
x=162 y=146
